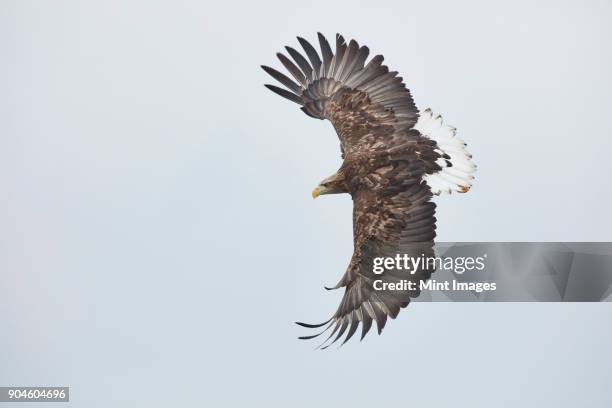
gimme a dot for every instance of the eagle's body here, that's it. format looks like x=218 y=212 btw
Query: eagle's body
x=394 y=159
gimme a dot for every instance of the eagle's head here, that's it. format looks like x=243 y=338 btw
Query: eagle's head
x=331 y=185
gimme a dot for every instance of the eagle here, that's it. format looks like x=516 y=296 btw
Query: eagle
x=395 y=158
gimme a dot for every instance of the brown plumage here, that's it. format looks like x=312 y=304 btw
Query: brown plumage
x=386 y=161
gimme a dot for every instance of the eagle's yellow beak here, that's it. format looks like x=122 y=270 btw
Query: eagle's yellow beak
x=317 y=192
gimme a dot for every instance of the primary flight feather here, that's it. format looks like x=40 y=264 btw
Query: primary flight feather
x=394 y=159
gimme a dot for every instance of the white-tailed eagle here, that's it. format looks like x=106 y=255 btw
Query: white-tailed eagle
x=395 y=158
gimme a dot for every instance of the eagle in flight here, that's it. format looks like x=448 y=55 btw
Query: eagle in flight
x=395 y=158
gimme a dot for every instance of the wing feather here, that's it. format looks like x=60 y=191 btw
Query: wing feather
x=347 y=61
x=372 y=69
x=313 y=56
x=301 y=61
x=285 y=94
x=326 y=53
x=295 y=71
x=366 y=324
x=283 y=79
x=338 y=56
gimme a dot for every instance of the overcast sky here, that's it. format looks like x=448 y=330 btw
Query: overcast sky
x=157 y=235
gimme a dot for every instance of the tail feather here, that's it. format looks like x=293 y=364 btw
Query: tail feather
x=457 y=166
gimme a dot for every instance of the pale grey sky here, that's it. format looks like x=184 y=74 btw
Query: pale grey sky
x=157 y=235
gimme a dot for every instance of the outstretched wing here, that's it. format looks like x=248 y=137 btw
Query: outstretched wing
x=398 y=220
x=359 y=99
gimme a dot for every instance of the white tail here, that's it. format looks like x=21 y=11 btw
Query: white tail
x=456 y=173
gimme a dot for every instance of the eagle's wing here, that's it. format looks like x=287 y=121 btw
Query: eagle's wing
x=397 y=220
x=358 y=98
x=371 y=108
